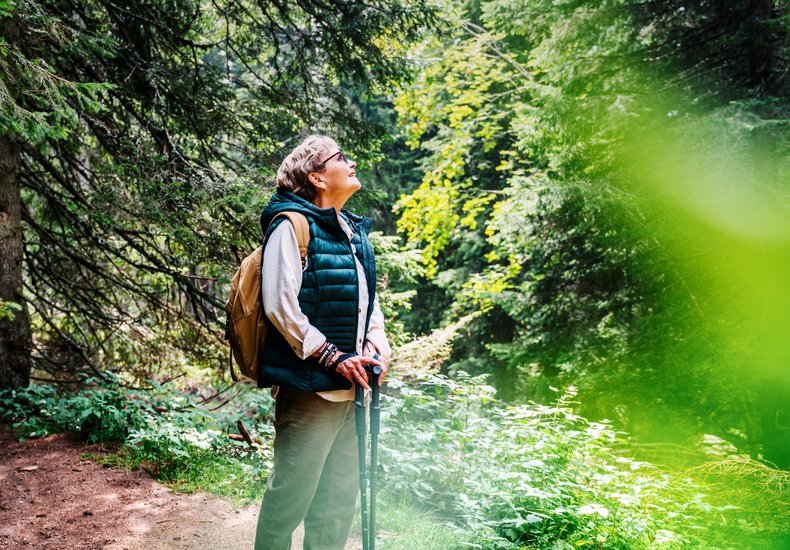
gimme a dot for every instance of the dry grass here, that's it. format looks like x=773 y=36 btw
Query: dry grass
x=744 y=469
x=428 y=353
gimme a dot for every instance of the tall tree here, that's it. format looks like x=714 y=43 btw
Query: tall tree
x=14 y=327
x=558 y=110
x=174 y=112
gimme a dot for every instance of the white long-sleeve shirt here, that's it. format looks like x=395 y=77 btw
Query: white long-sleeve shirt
x=281 y=281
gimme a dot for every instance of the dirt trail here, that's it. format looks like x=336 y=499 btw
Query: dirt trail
x=50 y=499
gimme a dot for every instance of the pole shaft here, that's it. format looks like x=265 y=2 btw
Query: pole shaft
x=359 y=402
x=375 y=414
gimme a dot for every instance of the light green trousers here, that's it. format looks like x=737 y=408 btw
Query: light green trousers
x=315 y=476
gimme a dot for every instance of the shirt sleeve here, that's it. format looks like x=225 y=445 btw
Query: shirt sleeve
x=281 y=281
x=376 y=335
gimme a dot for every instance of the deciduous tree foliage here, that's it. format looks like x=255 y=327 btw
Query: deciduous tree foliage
x=553 y=134
x=135 y=141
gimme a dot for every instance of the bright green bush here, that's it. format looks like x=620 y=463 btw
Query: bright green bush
x=535 y=476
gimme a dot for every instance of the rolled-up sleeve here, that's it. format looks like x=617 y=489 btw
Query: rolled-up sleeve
x=280 y=281
x=376 y=335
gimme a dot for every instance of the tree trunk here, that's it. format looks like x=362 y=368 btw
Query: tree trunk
x=761 y=43
x=15 y=340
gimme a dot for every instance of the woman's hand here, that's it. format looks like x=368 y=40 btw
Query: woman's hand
x=370 y=351
x=353 y=369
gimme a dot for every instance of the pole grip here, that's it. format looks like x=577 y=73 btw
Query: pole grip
x=375 y=406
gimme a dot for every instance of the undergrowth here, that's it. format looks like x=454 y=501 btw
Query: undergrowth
x=458 y=468
x=541 y=476
x=179 y=437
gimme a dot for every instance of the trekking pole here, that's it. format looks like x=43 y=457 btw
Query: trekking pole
x=375 y=415
x=359 y=401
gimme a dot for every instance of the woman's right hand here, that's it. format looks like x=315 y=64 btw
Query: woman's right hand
x=353 y=369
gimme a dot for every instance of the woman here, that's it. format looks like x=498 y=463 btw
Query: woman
x=329 y=326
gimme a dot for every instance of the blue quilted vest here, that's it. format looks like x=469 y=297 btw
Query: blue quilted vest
x=329 y=295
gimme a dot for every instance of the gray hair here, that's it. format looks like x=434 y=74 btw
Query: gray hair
x=304 y=159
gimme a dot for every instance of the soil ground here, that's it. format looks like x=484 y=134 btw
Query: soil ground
x=51 y=499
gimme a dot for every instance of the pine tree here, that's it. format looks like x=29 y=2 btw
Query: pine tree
x=136 y=138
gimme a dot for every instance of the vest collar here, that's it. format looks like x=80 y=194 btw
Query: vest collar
x=283 y=201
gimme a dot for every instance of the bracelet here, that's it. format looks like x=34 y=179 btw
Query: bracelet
x=323 y=352
x=326 y=354
x=328 y=357
x=340 y=359
x=332 y=352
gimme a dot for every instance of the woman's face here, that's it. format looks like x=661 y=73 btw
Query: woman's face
x=339 y=176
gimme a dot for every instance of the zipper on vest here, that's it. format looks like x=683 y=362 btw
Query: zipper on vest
x=351 y=247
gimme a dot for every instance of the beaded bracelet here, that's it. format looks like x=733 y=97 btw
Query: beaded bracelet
x=326 y=354
x=322 y=353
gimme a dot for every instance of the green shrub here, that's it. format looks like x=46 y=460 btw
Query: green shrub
x=533 y=476
x=101 y=413
x=169 y=432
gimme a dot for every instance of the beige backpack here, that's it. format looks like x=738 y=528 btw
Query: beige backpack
x=246 y=326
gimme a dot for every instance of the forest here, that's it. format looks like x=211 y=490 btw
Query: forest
x=582 y=229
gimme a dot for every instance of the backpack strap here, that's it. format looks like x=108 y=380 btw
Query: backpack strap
x=302 y=230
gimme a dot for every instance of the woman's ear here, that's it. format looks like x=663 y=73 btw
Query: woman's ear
x=317 y=181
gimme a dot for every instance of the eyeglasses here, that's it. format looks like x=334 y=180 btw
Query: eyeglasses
x=343 y=157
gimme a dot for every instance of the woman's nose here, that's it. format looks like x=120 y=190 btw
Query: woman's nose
x=352 y=163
